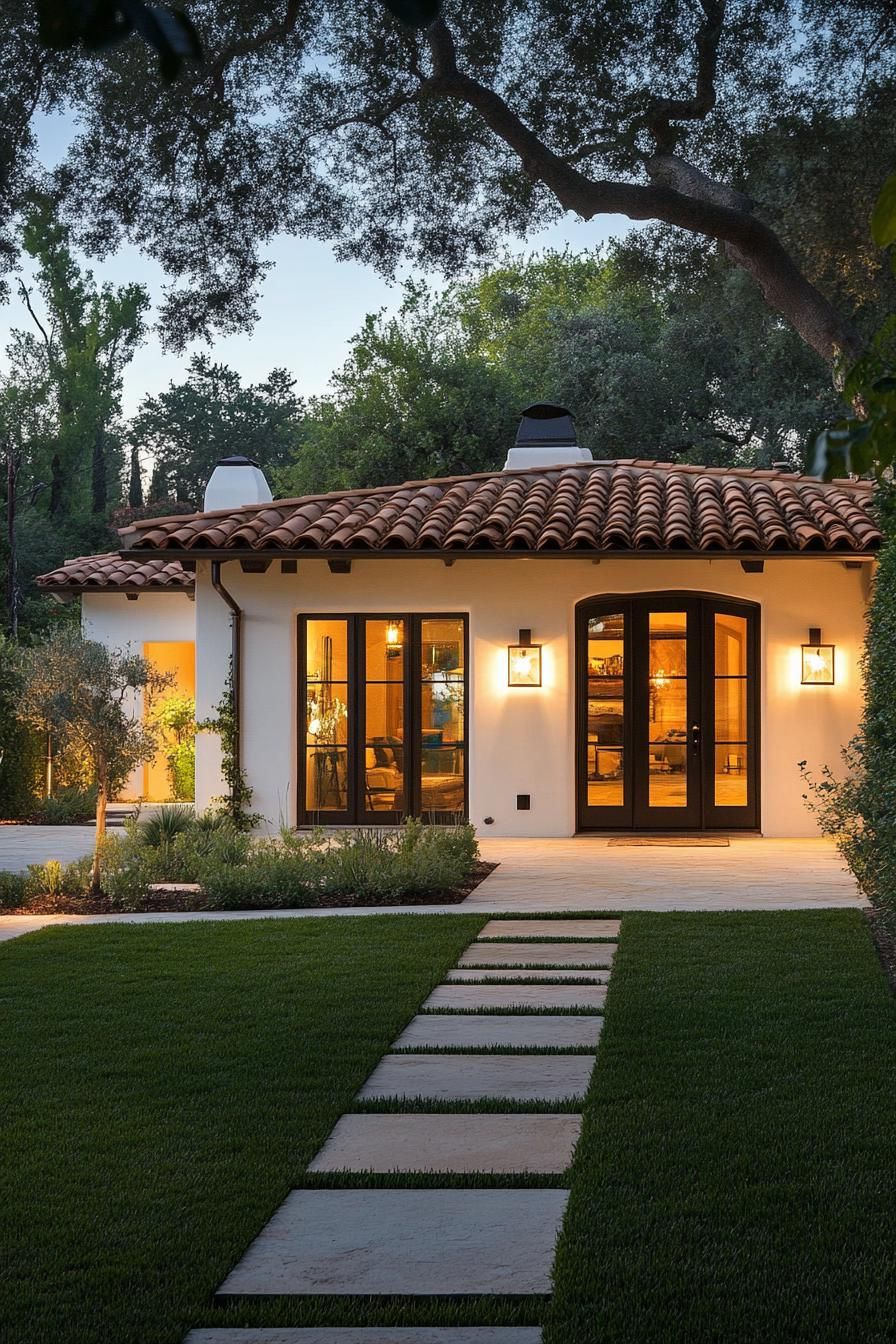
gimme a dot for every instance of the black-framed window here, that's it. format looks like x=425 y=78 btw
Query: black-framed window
x=382 y=717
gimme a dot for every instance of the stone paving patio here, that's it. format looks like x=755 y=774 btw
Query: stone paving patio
x=448 y=1242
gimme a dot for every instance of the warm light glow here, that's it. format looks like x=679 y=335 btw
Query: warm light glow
x=817 y=665
x=524 y=665
x=393 y=635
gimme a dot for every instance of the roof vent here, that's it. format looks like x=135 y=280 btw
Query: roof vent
x=546 y=438
x=236 y=481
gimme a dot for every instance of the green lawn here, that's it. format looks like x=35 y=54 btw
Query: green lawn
x=164 y=1087
x=737 y=1175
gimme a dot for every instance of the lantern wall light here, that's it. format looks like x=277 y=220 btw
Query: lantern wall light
x=524 y=661
x=817 y=660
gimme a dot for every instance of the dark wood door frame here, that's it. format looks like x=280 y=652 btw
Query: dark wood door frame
x=701 y=812
x=357 y=810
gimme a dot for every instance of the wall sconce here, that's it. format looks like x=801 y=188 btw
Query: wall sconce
x=817 y=660
x=524 y=661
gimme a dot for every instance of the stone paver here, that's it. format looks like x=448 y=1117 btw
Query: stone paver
x=551 y=928
x=463 y=998
x=491 y=1143
x=472 y=1030
x=415 y=1334
x=420 y=1242
x=539 y=954
x=585 y=873
x=474 y=1077
x=593 y=975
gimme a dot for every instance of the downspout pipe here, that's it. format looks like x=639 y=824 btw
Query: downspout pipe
x=236 y=658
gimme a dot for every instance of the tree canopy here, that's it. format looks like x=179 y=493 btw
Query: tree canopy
x=760 y=128
x=181 y=433
x=693 y=372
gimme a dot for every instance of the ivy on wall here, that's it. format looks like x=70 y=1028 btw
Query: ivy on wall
x=235 y=803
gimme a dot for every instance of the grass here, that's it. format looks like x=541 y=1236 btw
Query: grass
x=735 y=1177
x=164 y=1087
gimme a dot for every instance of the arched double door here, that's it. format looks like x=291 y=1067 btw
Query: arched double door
x=667 y=713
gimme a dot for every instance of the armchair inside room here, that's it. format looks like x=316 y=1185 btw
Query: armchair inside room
x=384 y=774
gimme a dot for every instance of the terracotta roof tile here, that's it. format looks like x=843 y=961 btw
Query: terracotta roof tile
x=598 y=507
x=111 y=571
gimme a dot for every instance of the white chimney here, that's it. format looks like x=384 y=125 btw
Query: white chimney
x=546 y=438
x=236 y=481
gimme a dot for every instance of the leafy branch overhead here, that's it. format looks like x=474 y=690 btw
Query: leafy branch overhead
x=97 y=25
x=865 y=441
x=432 y=139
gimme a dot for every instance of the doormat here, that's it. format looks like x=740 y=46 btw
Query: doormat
x=679 y=841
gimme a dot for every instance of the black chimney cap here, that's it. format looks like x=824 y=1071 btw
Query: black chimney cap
x=544 y=423
x=236 y=461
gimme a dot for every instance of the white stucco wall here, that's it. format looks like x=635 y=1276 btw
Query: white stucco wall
x=522 y=741
x=114 y=621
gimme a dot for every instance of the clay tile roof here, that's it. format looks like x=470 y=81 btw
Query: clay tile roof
x=627 y=505
x=93 y=572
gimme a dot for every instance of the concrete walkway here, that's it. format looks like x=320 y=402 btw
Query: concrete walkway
x=553 y=876
x=590 y=873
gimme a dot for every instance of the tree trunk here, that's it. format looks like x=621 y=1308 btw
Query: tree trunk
x=135 y=484
x=99 y=492
x=12 y=578
x=101 y=802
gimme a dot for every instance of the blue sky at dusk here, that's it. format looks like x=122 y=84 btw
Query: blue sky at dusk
x=310 y=305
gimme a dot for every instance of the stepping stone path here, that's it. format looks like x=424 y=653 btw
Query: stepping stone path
x=467 y=998
x=516 y=1021
x=499 y=1143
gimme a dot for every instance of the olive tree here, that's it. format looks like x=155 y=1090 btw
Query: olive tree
x=85 y=694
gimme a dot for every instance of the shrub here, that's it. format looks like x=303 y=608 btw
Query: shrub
x=13 y=890
x=163 y=827
x=859 y=809
x=68 y=807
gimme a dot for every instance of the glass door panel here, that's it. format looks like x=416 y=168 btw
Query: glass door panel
x=326 y=716
x=667 y=713
x=442 y=706
x=667 y=694
x=384 y=763
x=732 y=719
x=605 y=725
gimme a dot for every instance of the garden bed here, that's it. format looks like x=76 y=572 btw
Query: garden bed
x=171 y=901
x=175 y=862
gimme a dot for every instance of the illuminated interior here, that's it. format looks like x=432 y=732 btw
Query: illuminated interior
x=178 y=658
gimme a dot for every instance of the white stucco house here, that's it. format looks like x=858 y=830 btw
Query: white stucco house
x=563 y=645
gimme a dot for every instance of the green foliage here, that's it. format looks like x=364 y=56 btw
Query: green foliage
x=883 y=217
x=79 y=689
x=68 y=807
x=164 y=826
x=235 y=872
x=187 y=429
x=13 y=890
x=176 y=717
x=21 y=748
x=865 y=439
x=857 y=807
x=690 y=369
x=60 y=406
